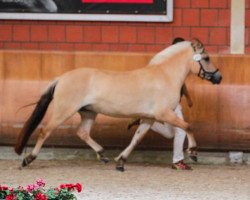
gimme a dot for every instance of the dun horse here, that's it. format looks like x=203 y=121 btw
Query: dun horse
x=151 y=93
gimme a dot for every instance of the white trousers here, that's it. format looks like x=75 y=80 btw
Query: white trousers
x=169 y=132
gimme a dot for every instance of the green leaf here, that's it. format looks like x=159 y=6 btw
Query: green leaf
x=51 y=194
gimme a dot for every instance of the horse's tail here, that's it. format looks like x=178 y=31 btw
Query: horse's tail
x=35 y=118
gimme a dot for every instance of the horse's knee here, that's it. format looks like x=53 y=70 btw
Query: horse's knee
x=171 y=118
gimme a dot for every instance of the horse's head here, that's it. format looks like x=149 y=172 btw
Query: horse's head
x=204 y=67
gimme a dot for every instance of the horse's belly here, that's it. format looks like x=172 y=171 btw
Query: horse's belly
x=115 y=110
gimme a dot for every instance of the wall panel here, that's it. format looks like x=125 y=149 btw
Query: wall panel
x=219 y=116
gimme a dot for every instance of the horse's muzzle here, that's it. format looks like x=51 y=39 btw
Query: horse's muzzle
x=216 y=78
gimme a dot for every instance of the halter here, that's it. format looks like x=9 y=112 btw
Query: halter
x=206 y=74
x=202 y=72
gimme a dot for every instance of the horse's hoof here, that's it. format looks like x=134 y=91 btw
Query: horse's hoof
x=27 y=160
x=102 y=157
x=193 y=158
x=192 y=153
x=120 y=164
x=104 y=160
x=120 y=168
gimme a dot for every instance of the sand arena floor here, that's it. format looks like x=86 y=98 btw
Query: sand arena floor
x=139 y=181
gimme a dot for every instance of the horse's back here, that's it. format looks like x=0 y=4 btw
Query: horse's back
x=118 y=94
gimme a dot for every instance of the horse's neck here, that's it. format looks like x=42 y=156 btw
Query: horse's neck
x=176 y=73
x=174 y=62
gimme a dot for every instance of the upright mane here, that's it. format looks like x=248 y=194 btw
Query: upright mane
x=169 y=52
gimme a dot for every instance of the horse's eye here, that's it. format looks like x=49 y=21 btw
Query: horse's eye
x=207 y=59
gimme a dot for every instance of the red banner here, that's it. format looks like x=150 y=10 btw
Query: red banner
x=119 y=1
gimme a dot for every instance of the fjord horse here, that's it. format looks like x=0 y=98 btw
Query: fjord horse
x=151 y=93
x=204 y=61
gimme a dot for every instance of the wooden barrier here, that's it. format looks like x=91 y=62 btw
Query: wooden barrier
x=219 y=116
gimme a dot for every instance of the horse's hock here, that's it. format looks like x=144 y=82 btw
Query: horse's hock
x=219 y=116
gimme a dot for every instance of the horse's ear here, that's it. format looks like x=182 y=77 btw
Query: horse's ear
x=197 y=46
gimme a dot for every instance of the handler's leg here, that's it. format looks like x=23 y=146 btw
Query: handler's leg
x=178 y=154
x=178 y=145
x=179 y=139
x=192 y=145
x=139 y=134
x=88 y=119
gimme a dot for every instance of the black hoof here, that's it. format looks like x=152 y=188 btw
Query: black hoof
x=101 y=156
x=120 y=168
x=194 y=158
x=27 y=160
x=120 y=164
x=193 y=155
x=104 y=160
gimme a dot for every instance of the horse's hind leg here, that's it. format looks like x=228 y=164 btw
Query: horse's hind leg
x=83 y=132
x=43 y=135
x=139 y=134
x=61 y=112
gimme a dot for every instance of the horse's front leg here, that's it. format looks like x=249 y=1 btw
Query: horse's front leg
x=139 y=134
x=192 y=147
x=175 y=119
x=170 y=117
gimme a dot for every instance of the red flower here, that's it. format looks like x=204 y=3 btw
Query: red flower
x=70 y=186
x=4 y=187
x=40 y=196
x=10 y=197
x=67 y=186
x=78 y=187
x=63 y=186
